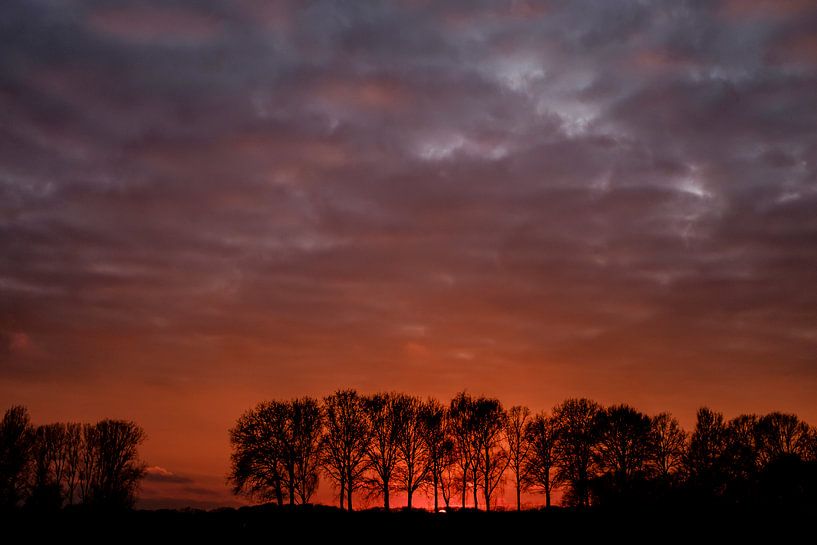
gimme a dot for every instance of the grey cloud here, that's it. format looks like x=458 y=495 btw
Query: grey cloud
x=327 y=171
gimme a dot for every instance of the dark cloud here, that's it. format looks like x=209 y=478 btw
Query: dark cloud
x=541 y=198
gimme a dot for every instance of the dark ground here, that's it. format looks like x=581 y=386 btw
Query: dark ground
x=270 y=524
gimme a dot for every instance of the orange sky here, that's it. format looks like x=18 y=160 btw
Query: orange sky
x=201 y=209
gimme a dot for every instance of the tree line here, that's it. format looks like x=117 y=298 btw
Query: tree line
x=51 y=466
x=464 y=452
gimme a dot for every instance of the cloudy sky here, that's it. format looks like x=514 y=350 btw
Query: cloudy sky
x=204 y=204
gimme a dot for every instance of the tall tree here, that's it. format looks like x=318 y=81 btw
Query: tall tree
x=16 y=443
x=411 y=445
x=704 y=459
x=382 y=450
x=623 y=444
x=438 y=445
x=542 y=459
x=450 y=478
x=463 y=433
x=782 y=434
x=346 y=441
x=306 y=424
x=49 y=456
x=576 y=441
x=741 y=452
x=257 y=468
x=518 y=447
x=74 y=447
x=492 y=458
x=668 y=446
x=115 y=469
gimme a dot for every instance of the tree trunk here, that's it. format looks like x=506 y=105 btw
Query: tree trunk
x=342 y=489
x=436 y=503
x=292 y=486
x=409 y=483
x=464 y=486
x=476 y=480
x=279 y=494
x=518 y=494
x=349 y=490
x=386 y=495
x=487 y=480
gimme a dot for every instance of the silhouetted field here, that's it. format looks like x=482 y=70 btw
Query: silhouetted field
x=314 y=524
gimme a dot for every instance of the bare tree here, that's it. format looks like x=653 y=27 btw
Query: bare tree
x=492 y=459
x=257 y=468
x=576 y=441
x=16 y=443
x=518 y=447
x=542 y=460
x=346 y=441
x=74 y=446
x=707 y=444
x=49 y=459
x=668 y=446
x=306 y=423
x=382 y=451
x=623 y=443
x=461 y=425
x=450 y=478
x=742 y=450
x=782 y=434
x=115 y=469
x=86 y=463
x=413 y=472
x=438 y=445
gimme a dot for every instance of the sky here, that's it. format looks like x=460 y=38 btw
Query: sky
x=206 y=204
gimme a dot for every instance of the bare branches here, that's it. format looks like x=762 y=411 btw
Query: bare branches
x=542 y=459
x=346 y=442
x=593 y=455
x=276 y=451
x=518 y=448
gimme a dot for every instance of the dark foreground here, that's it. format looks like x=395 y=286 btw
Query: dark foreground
x=269 y=524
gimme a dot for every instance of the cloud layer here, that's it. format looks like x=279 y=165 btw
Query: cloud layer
x=218 y=200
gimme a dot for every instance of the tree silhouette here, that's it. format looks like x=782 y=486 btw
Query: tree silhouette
x=382 y=450
x=518 y=448
x=491 y=461
x=115 y=470
x=621 y=456
x=57 y=464
x=73 y=451
x=542 y=459
x=782 y=434
x=450 y=479
x=50 y=461
x=463 y=434
x=668 y=446
x=439 y=447
x=276 y=450
x=257 y=468
x=741 y=452
x=415 y=465
x=707 y=444
x=346 y=441
x=623 y=444
x=577 y=436
x=16 y=443
x=305 y=450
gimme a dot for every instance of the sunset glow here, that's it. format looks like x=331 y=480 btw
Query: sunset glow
x=211 y=204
